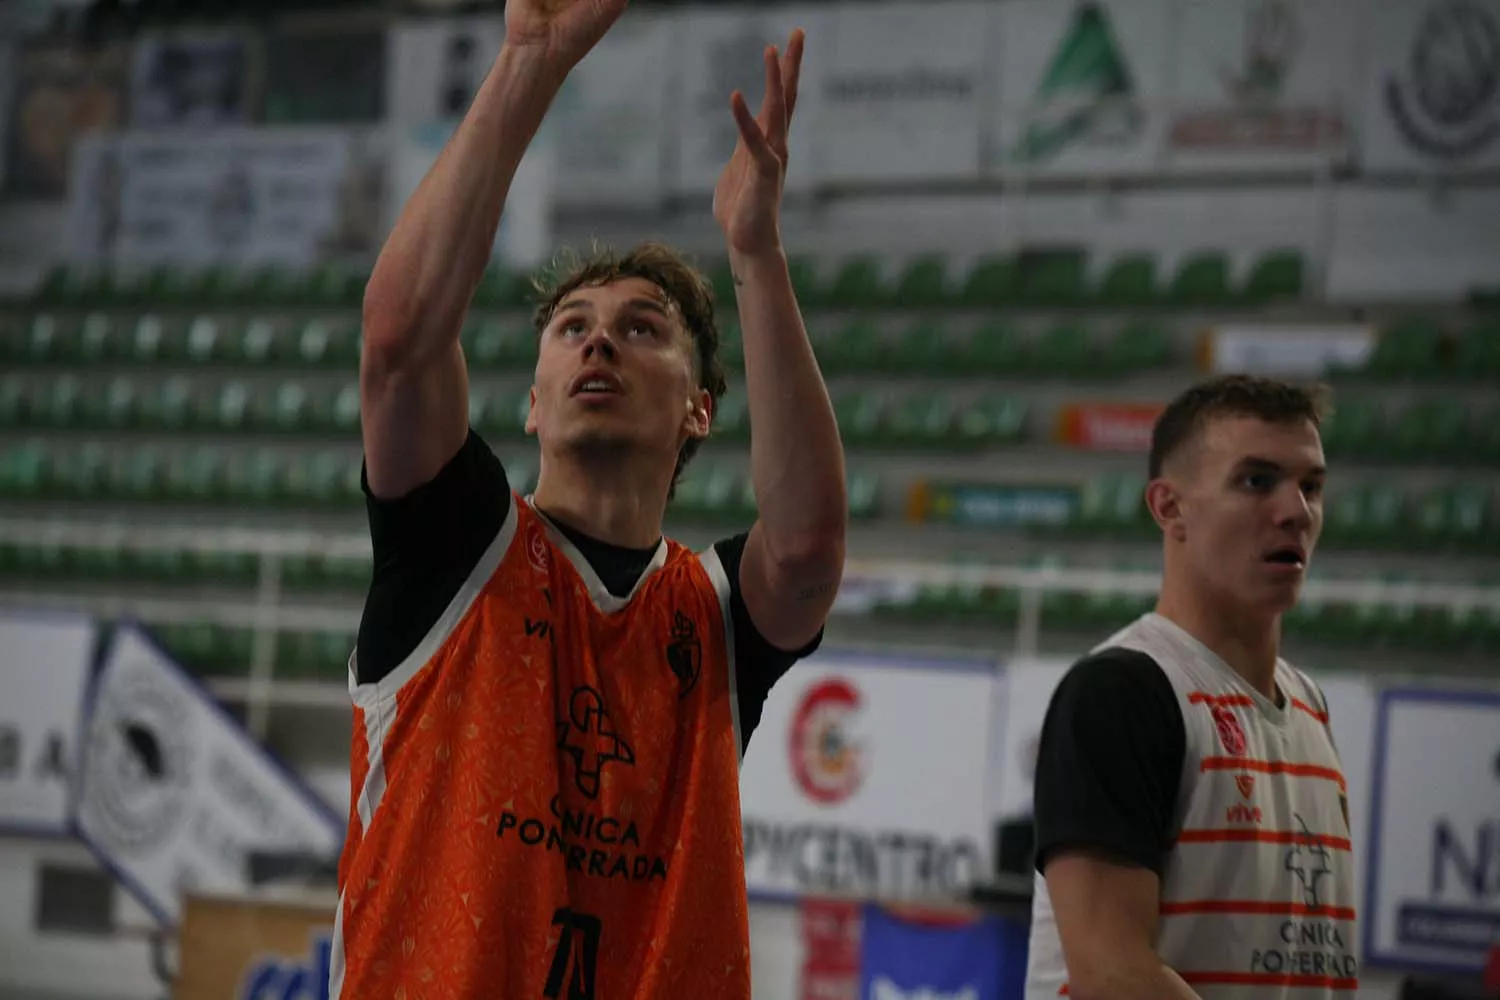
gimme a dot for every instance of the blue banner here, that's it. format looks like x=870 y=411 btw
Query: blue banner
x=906 y=959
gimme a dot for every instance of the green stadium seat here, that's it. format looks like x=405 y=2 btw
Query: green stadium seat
x=49 y=339
x=227 y=568
x=350 y=574
x=1053 y=278
x=343 y=413
x=227 y=409
x=864 y=495
x=257 y=478
x=196 y=477
x=82 y=473
x=323 y=343
x=1136 y=348
x=1435 y=430
x=327 y=479
x=993 y=420
x=116 y=407
x=501 y=288
x=194 y=645
x=1130 y=281
x=263 y=342
x=98 y=340
x=1114 y=504
x=152 y=341
x=1406 y=349
x=15 y=401
x=25 y=470
x=166 y=285
x=1276 y=276
x=923 y=284
x=993 y=281
x=167 y=565
x=858 y=284
x=334 y=285
x=496 y=345
x=731 y=345
x=101 y=563
x=921 y=420
x=1065 y=349
x=732 y=421
x=922 y=349
x=860 y=415
x=1355 y=427
x=286 y=409
x=1201 y=280
x=137 y=475
x=209 y=341
x=997 y=350
x=1479 y=352
x=489 y=411
x=1484 y=444
x=169 y=406
x=60 y=403
x=856 y=348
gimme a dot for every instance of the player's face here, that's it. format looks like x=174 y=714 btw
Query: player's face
x=615 y=371
x=1251 y=509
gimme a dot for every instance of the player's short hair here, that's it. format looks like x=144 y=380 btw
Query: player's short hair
x=684 y=285
x=1267 y=399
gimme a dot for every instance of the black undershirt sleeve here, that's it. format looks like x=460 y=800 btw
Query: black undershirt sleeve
x=758 y=664
x=426 y=544
x=1109 y=765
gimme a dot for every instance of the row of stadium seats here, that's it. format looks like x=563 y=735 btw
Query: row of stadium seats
x=1378 y=624
x=1432 y=430
x=492 y=345
x=54 y=561
x=1054 y=278
x=216 y=651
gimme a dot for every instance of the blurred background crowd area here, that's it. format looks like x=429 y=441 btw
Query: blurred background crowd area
x=1017 y=228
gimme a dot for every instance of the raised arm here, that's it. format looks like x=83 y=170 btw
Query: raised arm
x=413 y=384
x=794 y=558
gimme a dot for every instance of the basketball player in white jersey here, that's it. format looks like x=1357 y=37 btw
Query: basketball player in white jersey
x=1191 y=818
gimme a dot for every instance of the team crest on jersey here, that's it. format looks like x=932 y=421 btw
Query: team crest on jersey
x=1245 y=783
x=536 y=549
x=1231 y=734
x=587 y=735
x=685 y=654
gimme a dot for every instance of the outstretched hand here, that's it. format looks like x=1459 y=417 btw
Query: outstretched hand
x=747 y=199
x=564 y=30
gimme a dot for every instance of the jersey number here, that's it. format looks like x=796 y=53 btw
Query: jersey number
x=576 y=960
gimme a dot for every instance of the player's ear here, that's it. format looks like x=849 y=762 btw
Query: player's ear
x=1165 y=504
x=700 y=414
x=531 y=413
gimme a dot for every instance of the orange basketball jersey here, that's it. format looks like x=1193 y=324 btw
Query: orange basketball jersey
x=546 y=792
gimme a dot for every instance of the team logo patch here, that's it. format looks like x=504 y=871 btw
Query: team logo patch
x=1245 y=783
x=685 y=654
x=588 y=736
x=1231 y=734
x=827 y=759
x=536 y=549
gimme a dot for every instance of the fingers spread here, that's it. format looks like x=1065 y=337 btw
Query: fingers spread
x=750 y=132
x=775 y=120
x=791 y=70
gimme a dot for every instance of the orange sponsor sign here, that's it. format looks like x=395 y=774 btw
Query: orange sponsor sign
x=1108 y=426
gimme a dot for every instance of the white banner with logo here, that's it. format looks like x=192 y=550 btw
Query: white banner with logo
x=291 y=197
x=175 y=794
x=869 y=775
x=1306 y=350
x=1434 y=888
x=610 y=120
x=719 y=50
x=1432 y=94
x=1263 y=85
x=436 y=67
x=44 y=672
x=1083 y=87
x=902 y=92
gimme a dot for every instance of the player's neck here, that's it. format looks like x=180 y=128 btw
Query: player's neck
x=1249 y=644
x=618 y=503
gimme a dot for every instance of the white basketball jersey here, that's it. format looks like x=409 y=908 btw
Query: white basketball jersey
x=1258 y=889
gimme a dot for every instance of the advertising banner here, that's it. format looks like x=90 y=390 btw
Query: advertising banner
x=610 y=121
x=719 y=50
x=902 y=91
x=837 y=788
x=1433 y=891
x=1432 y=93
x=1263 y=85
x=1287 y=350
x=44 y=673
x=1108 y=426
x=974 y=958
x=830 y=944
x=254 y=949
x=59 y=93
x=988 y=505
x=193 y=79
x=175 y=794
x=436 y=66
x=235 y=197
x=1083 y=87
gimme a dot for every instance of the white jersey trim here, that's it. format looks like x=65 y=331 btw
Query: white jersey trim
x=367 y=696
x=714 y=566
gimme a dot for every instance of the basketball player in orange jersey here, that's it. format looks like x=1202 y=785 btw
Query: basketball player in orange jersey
x=1192 y=825
x=551 y=699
